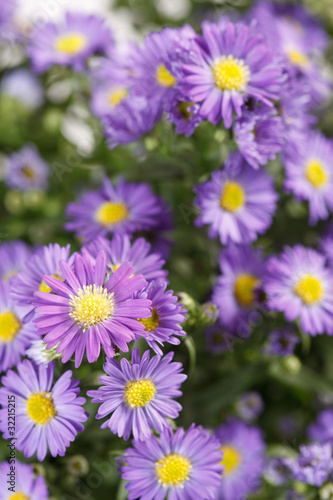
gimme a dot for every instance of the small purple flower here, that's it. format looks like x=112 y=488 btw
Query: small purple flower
x=184 y=114
x=13 y=255
x=249 y=406
x=276 y=471
x=27 y=484
x=282 y=342
x=218 y=339
x=23 y=85
x=322 y=429
x=180 y=465
x=243 y=449
x=299 y=284
x=46 y=416
x=124 y=208
x=238 y=202
x=69 y=42
x=314 y=464
x=84 y=312
x=139 y=395
x=26 y=170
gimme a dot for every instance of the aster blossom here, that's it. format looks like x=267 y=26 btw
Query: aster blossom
x=140 y=395
x=26 y=170
x=282 y=342
x=313 y=465
x=47 y=416
x=13 y=255
x=322 y=429
x=86 y=311
x=27 y=485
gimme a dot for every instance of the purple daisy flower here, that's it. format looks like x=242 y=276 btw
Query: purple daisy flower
x=259 y=134
x=162 y=325
x=322 y=429
x=232 y=64
x=309 y=174
x=13 y=255
x=242 y=270
x=238 y=202
x=46 y=416
x=139 y=395
x=249 y=406
x=314 y=464
x=23 y=85
x=70 y=42
x=124 y=208
x=276 y=471
x=85 y=312
x=218 y=339
x=299 y=284
x=15 y=334
x=243 y=449
x=174 y=466
x=185 y=115
x=282 y=342
x=25 y=483
x=26 y=170
x=138 y=254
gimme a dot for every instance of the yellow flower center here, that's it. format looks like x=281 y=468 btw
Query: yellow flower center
x=173 y=470
x=297 y=58
x=28 y=172
x=244 y=286
x=71 y=44
x=151 y=323
x=40 y=407
x=111 y=213
x=19 y=495
x=92 y=305
x=309 y=289
x=231 y=459
x=164 y=77
x=316 y=174
x=183 y=108
x=117 y=95
x=43 y=287
x=230 y=73
x=10 y=325
x=233 y=196
x=139 y=392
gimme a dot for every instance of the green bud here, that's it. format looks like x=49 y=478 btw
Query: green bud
x=78 y=465
x=14 y=202
x=292 y=364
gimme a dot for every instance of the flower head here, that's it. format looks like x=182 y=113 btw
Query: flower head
x=27 y=485
x=313 y=465
x=249 y=406
x=282 y=342
x=26 y=170
x=322 y=429
x=13 y=255
x=24 y=86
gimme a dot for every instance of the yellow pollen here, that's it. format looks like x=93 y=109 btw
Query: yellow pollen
x=71 y=43
x=164 y=77
x=173 y=470
x=244 y=286
x=43 y=287
x=297 y=58
x=316 y=173
x=19 y=495
x=233 y=196
x=115 y=267
x=10 y=325
x=231 y=459
x=230 y=73
x=139 y=392
x=111 y=213
x=40 y=407
x=28 y=172
x=151 y=323
x=92 y=305
x=117 y=95
x=309 y=289
x=183 y=108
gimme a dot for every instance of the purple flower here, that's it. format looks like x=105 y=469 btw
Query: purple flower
x=232 y=64
x=184 y=114
x=23 y=85
x=237 y=202
x=322 y=429
x=242 y=270
x=46 y=416
x=124 y=208
x=299 y=284
x=249 y=406
x=139 y=396
x=282 y=342
x=84 y=312
x=163 y=323
x=218 y=339
x=314 y=464
x=243 y=449
x=27 y=485
x=26 y=170
x=138 y=254
x=15 y=334
x=13 y=255
x=259 y=134
x=68 y=43
x=309 y=174
x=276 y=471
x=179 y=465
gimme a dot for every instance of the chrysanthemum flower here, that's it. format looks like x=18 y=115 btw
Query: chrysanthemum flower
x=46 y=416
x=177 y=466
x=15 y=334
x=13 y=255
x=309 y=174
x=243 y=449
x=322 y=429
x=184 y=114
x=163 y=322
x=124 y=208
x=242 y=270
x=139 y=396
x=299 y=284
x=233 y=63
x=282 y=342
x=69 y=42
x=26 y=170
x=138 y=254
x=314 y=465
x=237 y=202
x=218 y=339
x=249 y=406
x=84 y=312
x=28 y=486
